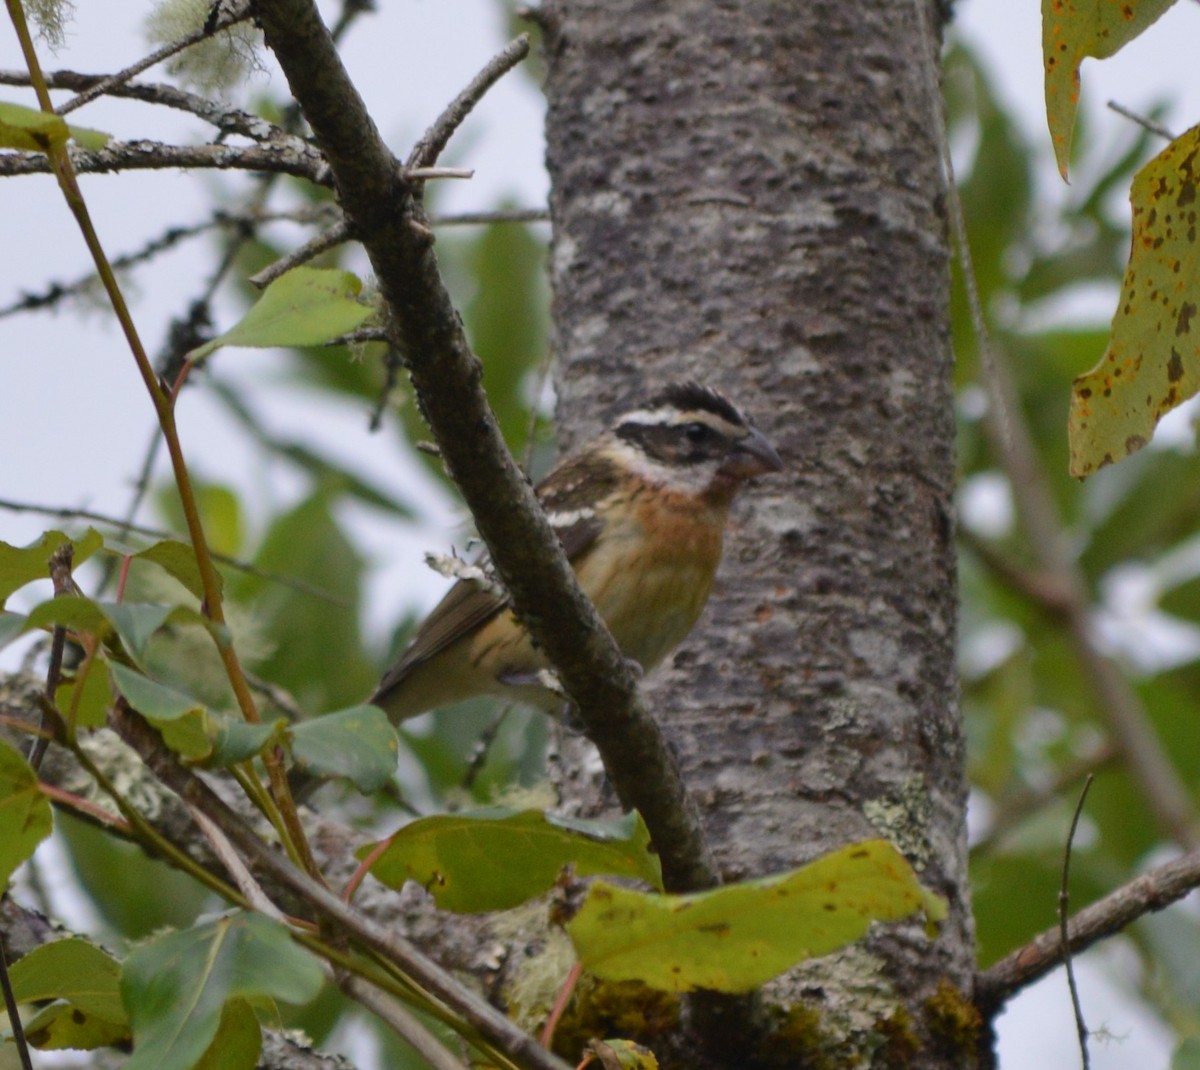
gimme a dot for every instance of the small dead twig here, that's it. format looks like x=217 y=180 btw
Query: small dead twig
x=1142 y=121
x=1063 y=904
x=426 y=151
x=340 y=232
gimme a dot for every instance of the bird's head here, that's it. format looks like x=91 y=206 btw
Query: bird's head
x=691 y=438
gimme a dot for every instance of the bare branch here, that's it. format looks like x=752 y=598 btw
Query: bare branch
x=1152 y=891
x=422 y=174
x=236 y=12
x=168 y=239
x=425 y=328
x=426 y=151
x=226 y=119
x=293 y=158
x=503 y=215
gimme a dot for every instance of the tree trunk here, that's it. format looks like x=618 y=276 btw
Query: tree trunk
x=748 y=193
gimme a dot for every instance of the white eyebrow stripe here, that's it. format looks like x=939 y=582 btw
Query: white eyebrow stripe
x=649 y=416
x=668 y=415
x=569 y=517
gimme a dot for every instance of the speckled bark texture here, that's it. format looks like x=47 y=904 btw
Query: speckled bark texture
x=747 y=193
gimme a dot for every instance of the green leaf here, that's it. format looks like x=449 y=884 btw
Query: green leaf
x=238 y=1042
x=1187 y=1055
x=735 y=938
x=20 y=565
x=235 y=740
x=91 y=711
x=307 y=633
x=76 y=612
x=305 y=307
x=136 y=622
x=72 y=970
x=12 y=625
x=359 y=743
x=176 y=987
x=61 y=1025
x=496 y=858
x=154 y=701
x=33 y=130
x=24 y=812
x=180 y=717
x=179 y=560
x=189 y=727
x=1073 y=31
x=1153 y=360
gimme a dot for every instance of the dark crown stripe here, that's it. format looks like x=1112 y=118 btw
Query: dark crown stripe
x=692 y=396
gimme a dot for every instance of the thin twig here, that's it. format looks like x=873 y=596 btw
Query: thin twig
x=421 y=174
x=482 y=748
x=351 y=9
x=1142 y=121
x=340 y=232
x=500 y=215
x=406 y=1025
x=60 y=577
x=361 y=335
x=1063 y=906
x=228 y=120
x=235 y=13
x=234 y=866
x=14 y=1019
x=219 y=220
x=426 y=151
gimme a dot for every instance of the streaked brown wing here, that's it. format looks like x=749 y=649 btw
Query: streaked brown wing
x=467 y=605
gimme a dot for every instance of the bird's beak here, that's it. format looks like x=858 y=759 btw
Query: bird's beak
x=751 y=456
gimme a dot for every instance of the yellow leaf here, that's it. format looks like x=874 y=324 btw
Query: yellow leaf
x=1152 y=362
x=735 y=938
x=1072 y=30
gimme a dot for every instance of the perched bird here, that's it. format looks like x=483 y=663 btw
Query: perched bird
x=641 y=513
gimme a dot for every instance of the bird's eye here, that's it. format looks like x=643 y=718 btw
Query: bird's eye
x=698 y=432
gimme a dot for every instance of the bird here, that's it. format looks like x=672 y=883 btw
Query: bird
x=640 y=512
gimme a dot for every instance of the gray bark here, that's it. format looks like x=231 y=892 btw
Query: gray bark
x=748 y=194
